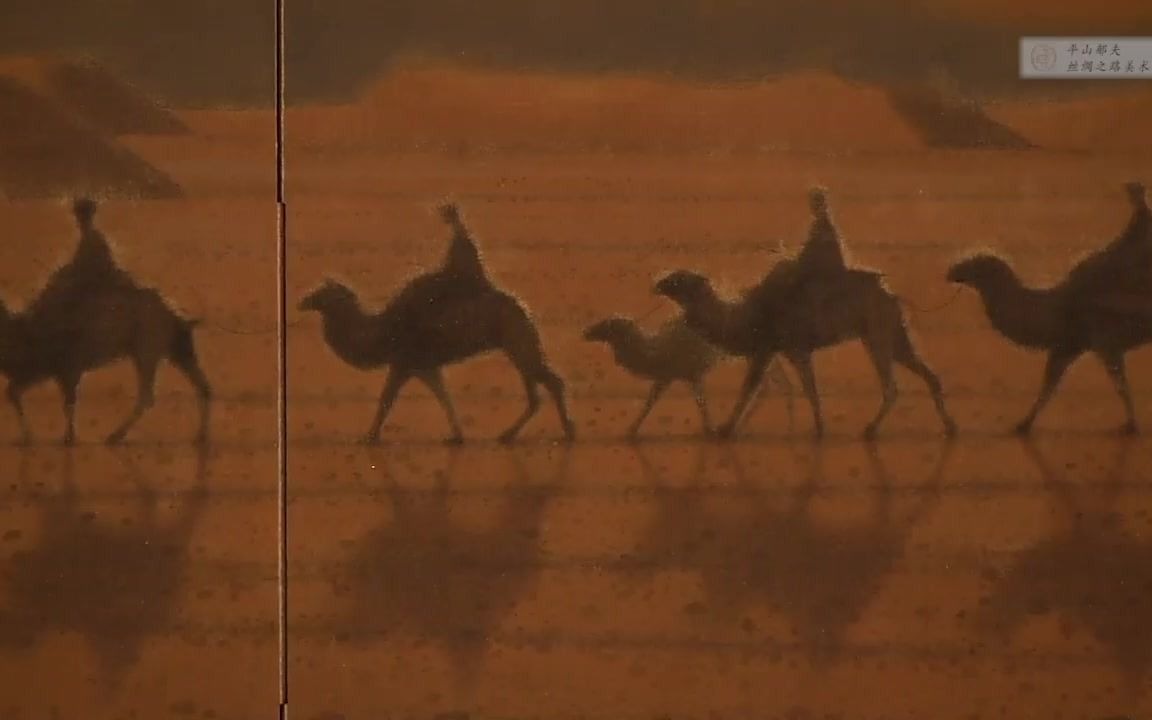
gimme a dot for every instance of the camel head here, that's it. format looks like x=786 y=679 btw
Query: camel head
x=684 y=287
x=979 y=271
x=610 y=331
x=330 y=295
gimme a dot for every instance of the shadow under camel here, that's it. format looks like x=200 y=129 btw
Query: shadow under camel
x=426 y=576
x=113 y=584
x=776 y=554
x=1093 y=570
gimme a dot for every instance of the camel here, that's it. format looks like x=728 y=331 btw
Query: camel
x=860 y=307
x=416 y=338
x=116 y=324
x=1045 y=319
x=674 y=353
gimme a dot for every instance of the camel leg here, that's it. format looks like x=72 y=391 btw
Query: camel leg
x=881 y=357
x=907 y=356
x=780 y=379
x=654 y=394
x=16 y=399
x=803 y=364
x=1054 y=369
x=434 y=379
x=145 y=399
x=752 y=379
x=702 y=404
x=533 y=396
x=1114 y=364
x=188 y=364
x=555 y=387
x=396 y=380
x=68 y=387
x=776 y=377
x=524 y=350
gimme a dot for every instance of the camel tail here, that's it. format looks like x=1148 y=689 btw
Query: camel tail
x=183 y=348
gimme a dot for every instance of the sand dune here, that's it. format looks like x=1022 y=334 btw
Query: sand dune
x=464 y=111
x=945 y=122
x=95 y=95
x=1112 y=122
x=45 y=152
x=467 y=111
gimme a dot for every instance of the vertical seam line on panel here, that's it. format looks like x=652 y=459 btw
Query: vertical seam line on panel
x=282 y=368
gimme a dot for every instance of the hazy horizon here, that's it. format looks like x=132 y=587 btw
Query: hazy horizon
x=216 y=52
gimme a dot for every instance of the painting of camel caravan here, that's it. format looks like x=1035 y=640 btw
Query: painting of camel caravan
x=698 y=359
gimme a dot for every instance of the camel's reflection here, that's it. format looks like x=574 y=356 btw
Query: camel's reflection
x=429 y=576
x=1091 y=570
x=114 y=583
x=771 y=551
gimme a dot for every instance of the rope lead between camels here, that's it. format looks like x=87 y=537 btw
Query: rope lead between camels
x=235 y=331
x=937 y=308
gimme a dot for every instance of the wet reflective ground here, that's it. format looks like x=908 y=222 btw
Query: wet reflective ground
x=137 y=583
x=914 y=578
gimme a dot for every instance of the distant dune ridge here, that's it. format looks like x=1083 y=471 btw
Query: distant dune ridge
x=45 y=152
x=100 y=98
x=949 y=122
x=464 y=111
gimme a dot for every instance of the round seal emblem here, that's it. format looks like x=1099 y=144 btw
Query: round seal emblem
x=1043 y=57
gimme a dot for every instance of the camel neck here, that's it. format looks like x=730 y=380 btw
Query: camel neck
x=14 y=355
x=1027 y=316
x=356 y=337
x=717 y=320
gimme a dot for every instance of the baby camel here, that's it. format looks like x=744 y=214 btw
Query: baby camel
x=859 y=307
x=1065 y=326
x=674 y=353
x=116 y=323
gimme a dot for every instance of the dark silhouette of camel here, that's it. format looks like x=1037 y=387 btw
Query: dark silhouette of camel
x=1092 y=569
x=1048 y=319
x=423 y=574
x=439 y=318
x=822 y=579
x=114 y=324
x=115 y=584
x=673 y=353
x=858 y=307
